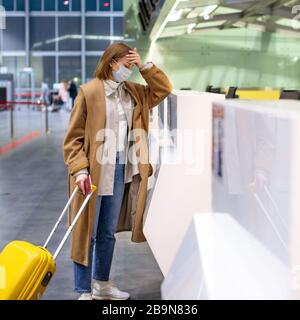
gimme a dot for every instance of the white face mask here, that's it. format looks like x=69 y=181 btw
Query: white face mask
x=122 y=74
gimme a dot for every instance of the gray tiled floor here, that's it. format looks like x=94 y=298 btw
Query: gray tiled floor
x=33 y=191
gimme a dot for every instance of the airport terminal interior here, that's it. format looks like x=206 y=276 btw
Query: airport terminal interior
x=222 y=208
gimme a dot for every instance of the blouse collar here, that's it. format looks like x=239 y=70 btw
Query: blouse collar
x=111 y=86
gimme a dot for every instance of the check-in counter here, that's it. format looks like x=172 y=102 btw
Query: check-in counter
x=180 y=144
x=256 y=174
x=219 y=259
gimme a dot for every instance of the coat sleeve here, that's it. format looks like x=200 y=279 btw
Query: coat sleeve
x=73 y=143
x=158 y=85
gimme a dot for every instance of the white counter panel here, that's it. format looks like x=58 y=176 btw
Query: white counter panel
x=181 y=184
x=257 y=173
x=220 y=259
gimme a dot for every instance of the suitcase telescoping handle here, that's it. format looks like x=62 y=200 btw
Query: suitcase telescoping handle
x=71 y=227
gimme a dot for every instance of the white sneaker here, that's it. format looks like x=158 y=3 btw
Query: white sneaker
x=86 y=296
x=107 y=290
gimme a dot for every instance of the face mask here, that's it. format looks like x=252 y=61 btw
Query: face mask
x=122 y=74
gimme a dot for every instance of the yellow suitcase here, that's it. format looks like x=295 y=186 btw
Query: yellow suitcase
x=26 y=269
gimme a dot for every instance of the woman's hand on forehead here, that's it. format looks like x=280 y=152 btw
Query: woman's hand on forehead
x=128 y=64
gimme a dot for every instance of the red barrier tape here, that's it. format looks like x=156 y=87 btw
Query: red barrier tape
x=6 y=106
x=14 y=144
x=37 y=94
x=22 y=102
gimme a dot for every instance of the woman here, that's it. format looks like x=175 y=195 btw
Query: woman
x=63 y=94
x=106 y=143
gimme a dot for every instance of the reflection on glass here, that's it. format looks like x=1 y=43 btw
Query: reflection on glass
x=44 y=68
x=69 y=33
x=63 y=5
x=70 y=68
x=14 y=34
x=42 y=38
x=97 y=33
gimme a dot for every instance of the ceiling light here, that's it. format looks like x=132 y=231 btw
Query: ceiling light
x=175 y=16
x=207 y=11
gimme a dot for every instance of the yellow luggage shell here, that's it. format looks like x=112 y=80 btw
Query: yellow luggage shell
x=26 y=270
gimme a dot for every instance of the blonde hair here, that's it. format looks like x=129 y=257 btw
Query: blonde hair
x=114 y=51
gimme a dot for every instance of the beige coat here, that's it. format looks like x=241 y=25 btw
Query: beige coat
x=81 y=145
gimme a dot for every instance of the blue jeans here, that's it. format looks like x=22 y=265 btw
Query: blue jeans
x=103 y=239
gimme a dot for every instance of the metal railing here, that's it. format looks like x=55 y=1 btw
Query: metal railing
x=10 y=105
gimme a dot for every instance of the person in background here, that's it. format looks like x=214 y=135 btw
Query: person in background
x=63 y=93
x=45 y=91
x=72 y=91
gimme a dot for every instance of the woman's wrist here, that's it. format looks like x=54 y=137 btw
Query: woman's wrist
x=82 y=171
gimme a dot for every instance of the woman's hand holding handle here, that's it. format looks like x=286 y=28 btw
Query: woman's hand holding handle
x=83 y=181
